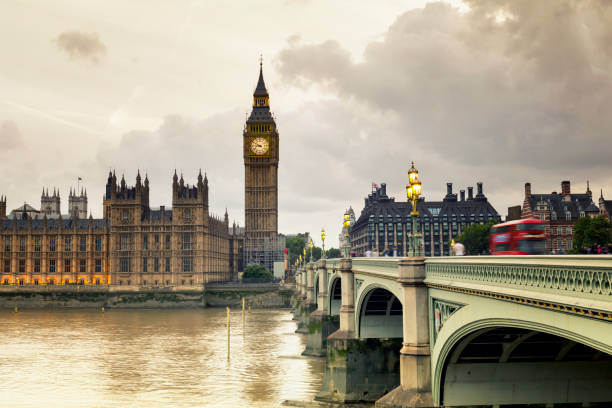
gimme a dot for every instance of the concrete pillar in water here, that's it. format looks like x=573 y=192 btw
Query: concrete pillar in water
x=347 y=308
x=415 y=359
x=322 y=302
x=320 y=323
x=310 y=292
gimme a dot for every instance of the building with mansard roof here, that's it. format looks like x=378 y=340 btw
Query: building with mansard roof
x=383 y=222
x=560 y=211
x=133 y=244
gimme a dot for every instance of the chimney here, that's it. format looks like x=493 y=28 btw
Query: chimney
x=565 y=187
x=462 y=192
x=449 y=188
x=527 y=190
x=383 y=189
x=479 y=186
x=470 y=193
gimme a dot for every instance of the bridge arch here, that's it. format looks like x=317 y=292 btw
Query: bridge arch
x=378 y=313
x=530 y=356
x=334 y=293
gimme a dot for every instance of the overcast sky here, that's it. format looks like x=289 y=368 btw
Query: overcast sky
x=498 y=91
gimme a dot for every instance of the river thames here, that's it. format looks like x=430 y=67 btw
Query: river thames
x=153 y=358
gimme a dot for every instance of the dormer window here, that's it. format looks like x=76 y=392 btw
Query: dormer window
x=582 y=214
x=553 y=215
x=568 y=216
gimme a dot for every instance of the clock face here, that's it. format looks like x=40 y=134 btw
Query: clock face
x=259 y=145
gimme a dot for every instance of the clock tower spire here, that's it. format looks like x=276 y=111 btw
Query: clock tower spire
x=261 y=155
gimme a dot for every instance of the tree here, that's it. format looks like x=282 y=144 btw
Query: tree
x=333 y=253
x=258 y=272
x=475 y=238
x=589 y=231
x=295 y=246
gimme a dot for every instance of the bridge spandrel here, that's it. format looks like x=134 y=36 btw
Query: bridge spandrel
x=383 y=267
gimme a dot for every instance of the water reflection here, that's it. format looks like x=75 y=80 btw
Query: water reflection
x=153 y=358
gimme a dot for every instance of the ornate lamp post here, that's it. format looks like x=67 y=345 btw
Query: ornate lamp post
x=311 y=245
x=305 y=253
x=413 y=191
x=322 y=243
x=347 y=224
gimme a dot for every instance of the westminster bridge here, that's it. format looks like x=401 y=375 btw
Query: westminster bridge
x=460 y=331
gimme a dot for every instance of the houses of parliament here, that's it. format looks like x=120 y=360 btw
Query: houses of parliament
x=134 y=244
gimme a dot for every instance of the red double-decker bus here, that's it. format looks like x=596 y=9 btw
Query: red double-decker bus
x=520 y=237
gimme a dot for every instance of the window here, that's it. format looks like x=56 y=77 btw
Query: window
x=569 y=230
x=22 y=266
x=52 y=265
x=125 y=216
x=187 y=214
x=82 y=265
x=543 y=217
x=581 y=214
x=98 y=244
x=22 y=244
x=156 y=264
x=553 y=215
x=167 y=241
x=67 y=266
x=145 y=242
x=187 y=264
x=144 y=265
x=37 y=266
x=144 y=282
x=83 y=244
x=124 y=242
x=568 y=216
x=37 y=243
x=67 y=244
x=560 y=230
x=187 y=241
x=98 y=265
x=7 y=244
x=156 y=238
x=7 y=265
x=167 y=264
x=124 y=264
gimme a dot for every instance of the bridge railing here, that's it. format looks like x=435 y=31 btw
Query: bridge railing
x=573 y=280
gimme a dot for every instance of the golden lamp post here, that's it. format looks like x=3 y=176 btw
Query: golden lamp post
x=347 y=225
x=305 y=253
x=322 y=243
x=311 y=245
x=300 y=259
x=413 y=191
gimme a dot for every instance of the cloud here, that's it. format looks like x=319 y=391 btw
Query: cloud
x=471 y=95
x=81 y=45
x=10 y=136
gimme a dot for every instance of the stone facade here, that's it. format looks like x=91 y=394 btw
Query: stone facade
x=131 y=245
x=263 y=245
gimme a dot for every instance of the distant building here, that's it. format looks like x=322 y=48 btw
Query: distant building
x=560 y=212
x=605 y=207
x=384 y=222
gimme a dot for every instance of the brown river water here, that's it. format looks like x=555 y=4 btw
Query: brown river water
x=153 y=358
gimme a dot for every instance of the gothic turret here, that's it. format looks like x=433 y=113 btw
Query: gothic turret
x=2 y=207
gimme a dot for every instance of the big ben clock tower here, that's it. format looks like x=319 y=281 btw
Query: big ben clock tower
x=261 y=154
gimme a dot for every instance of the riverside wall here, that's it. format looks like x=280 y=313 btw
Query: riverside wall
x=257 y=296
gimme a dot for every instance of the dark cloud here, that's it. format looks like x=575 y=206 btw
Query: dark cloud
x=10 y=136
x=81 y=45
x=507 y=92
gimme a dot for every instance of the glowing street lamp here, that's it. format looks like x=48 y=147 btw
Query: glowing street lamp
x=347 y=225
x=322 y=243
x=413 y=191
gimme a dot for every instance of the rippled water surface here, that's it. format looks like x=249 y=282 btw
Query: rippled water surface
x=153 y=358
